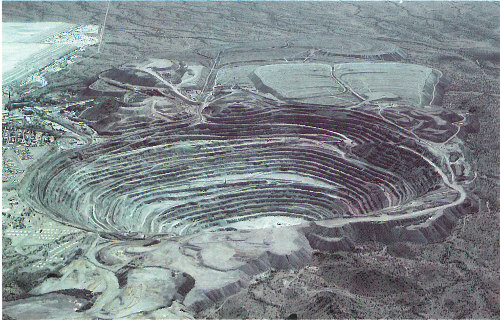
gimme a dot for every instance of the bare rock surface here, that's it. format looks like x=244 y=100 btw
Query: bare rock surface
x=335 y=161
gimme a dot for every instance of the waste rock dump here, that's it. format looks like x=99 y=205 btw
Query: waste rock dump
x=198 y=172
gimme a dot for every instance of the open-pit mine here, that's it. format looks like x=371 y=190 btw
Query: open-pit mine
x=200 y=172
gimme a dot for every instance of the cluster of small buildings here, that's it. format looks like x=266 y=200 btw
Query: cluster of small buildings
x=25 y=136
x=26 y=130
x=10 y=171
x=14 y=214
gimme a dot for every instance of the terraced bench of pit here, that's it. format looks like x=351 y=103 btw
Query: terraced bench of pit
x=208 y=172
x=158 y=178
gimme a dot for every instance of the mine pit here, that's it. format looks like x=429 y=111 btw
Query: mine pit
x=178 y=172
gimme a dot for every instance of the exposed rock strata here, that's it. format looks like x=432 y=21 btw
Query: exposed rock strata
x=196 y=193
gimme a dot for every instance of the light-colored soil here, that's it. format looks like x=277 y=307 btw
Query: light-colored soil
x=454 y=278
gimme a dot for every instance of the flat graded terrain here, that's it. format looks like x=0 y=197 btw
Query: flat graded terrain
x=305 y=82
x=413 y=84
x=29 y=47
x=305 y=170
